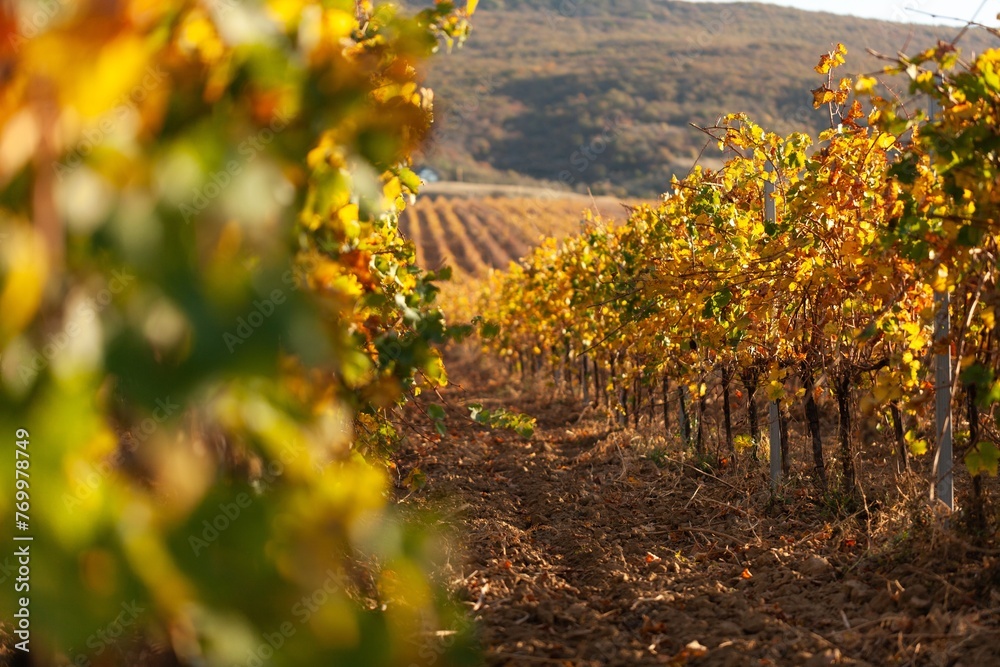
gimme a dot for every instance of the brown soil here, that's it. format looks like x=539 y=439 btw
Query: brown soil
x=586 y=546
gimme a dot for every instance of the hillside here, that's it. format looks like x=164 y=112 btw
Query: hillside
x=600 y=94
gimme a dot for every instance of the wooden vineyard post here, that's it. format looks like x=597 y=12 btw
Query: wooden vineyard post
x=683 y=414
x=775 y=417
x=727 y=412
x=943 y=479
x=775 y=445
x=652 y=403
x=568 y=371
x=666 y=404
x=897 y=431
x=599 y=389
x=636 y=401
x=786 y=459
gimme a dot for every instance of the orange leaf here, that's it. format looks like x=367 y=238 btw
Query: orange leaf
x=823 y=95
x=745 y=574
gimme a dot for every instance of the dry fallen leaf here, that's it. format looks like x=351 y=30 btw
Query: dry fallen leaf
x=693 y=650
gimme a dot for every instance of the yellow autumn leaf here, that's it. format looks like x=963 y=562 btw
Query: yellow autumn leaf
x=885 y=141
x=940 y=281
x=918 y=342
x=962 y=111
x=865 y=84
x=917 y=446
x=347 y=217
x=287 y=11
x=822 y=95
x=434 y=371
x=24 y=263
x=392 y=189
x=337 y=24
x=775 y=390
x=93 y=78
x=199 y=34
x=850 y=249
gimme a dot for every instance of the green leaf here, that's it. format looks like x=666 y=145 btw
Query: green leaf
x=444 y=273
x=992 y=80
x=984 y=457
x=501 y=418
x=415 y=480
x=436 y=411
x=525 y=429
x=715 y=304
x=488 y=330
x=969 y=236
x=409 y=179
x=459 y=332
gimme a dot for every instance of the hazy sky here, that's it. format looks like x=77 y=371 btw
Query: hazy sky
x=897 y=10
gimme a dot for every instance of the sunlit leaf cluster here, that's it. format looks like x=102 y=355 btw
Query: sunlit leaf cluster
x=209 y=316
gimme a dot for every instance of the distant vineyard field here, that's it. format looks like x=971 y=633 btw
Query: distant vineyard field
x=475 y=234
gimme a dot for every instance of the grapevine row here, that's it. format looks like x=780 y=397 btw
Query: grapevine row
x=833 y=295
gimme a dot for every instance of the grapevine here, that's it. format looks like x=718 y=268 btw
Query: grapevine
x=211 y=318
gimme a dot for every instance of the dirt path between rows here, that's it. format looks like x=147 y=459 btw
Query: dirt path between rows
x=584 y=548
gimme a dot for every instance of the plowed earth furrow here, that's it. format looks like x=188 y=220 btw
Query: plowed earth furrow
x=581 y=551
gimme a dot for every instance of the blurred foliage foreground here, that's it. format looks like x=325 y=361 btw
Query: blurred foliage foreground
x=207 y=315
